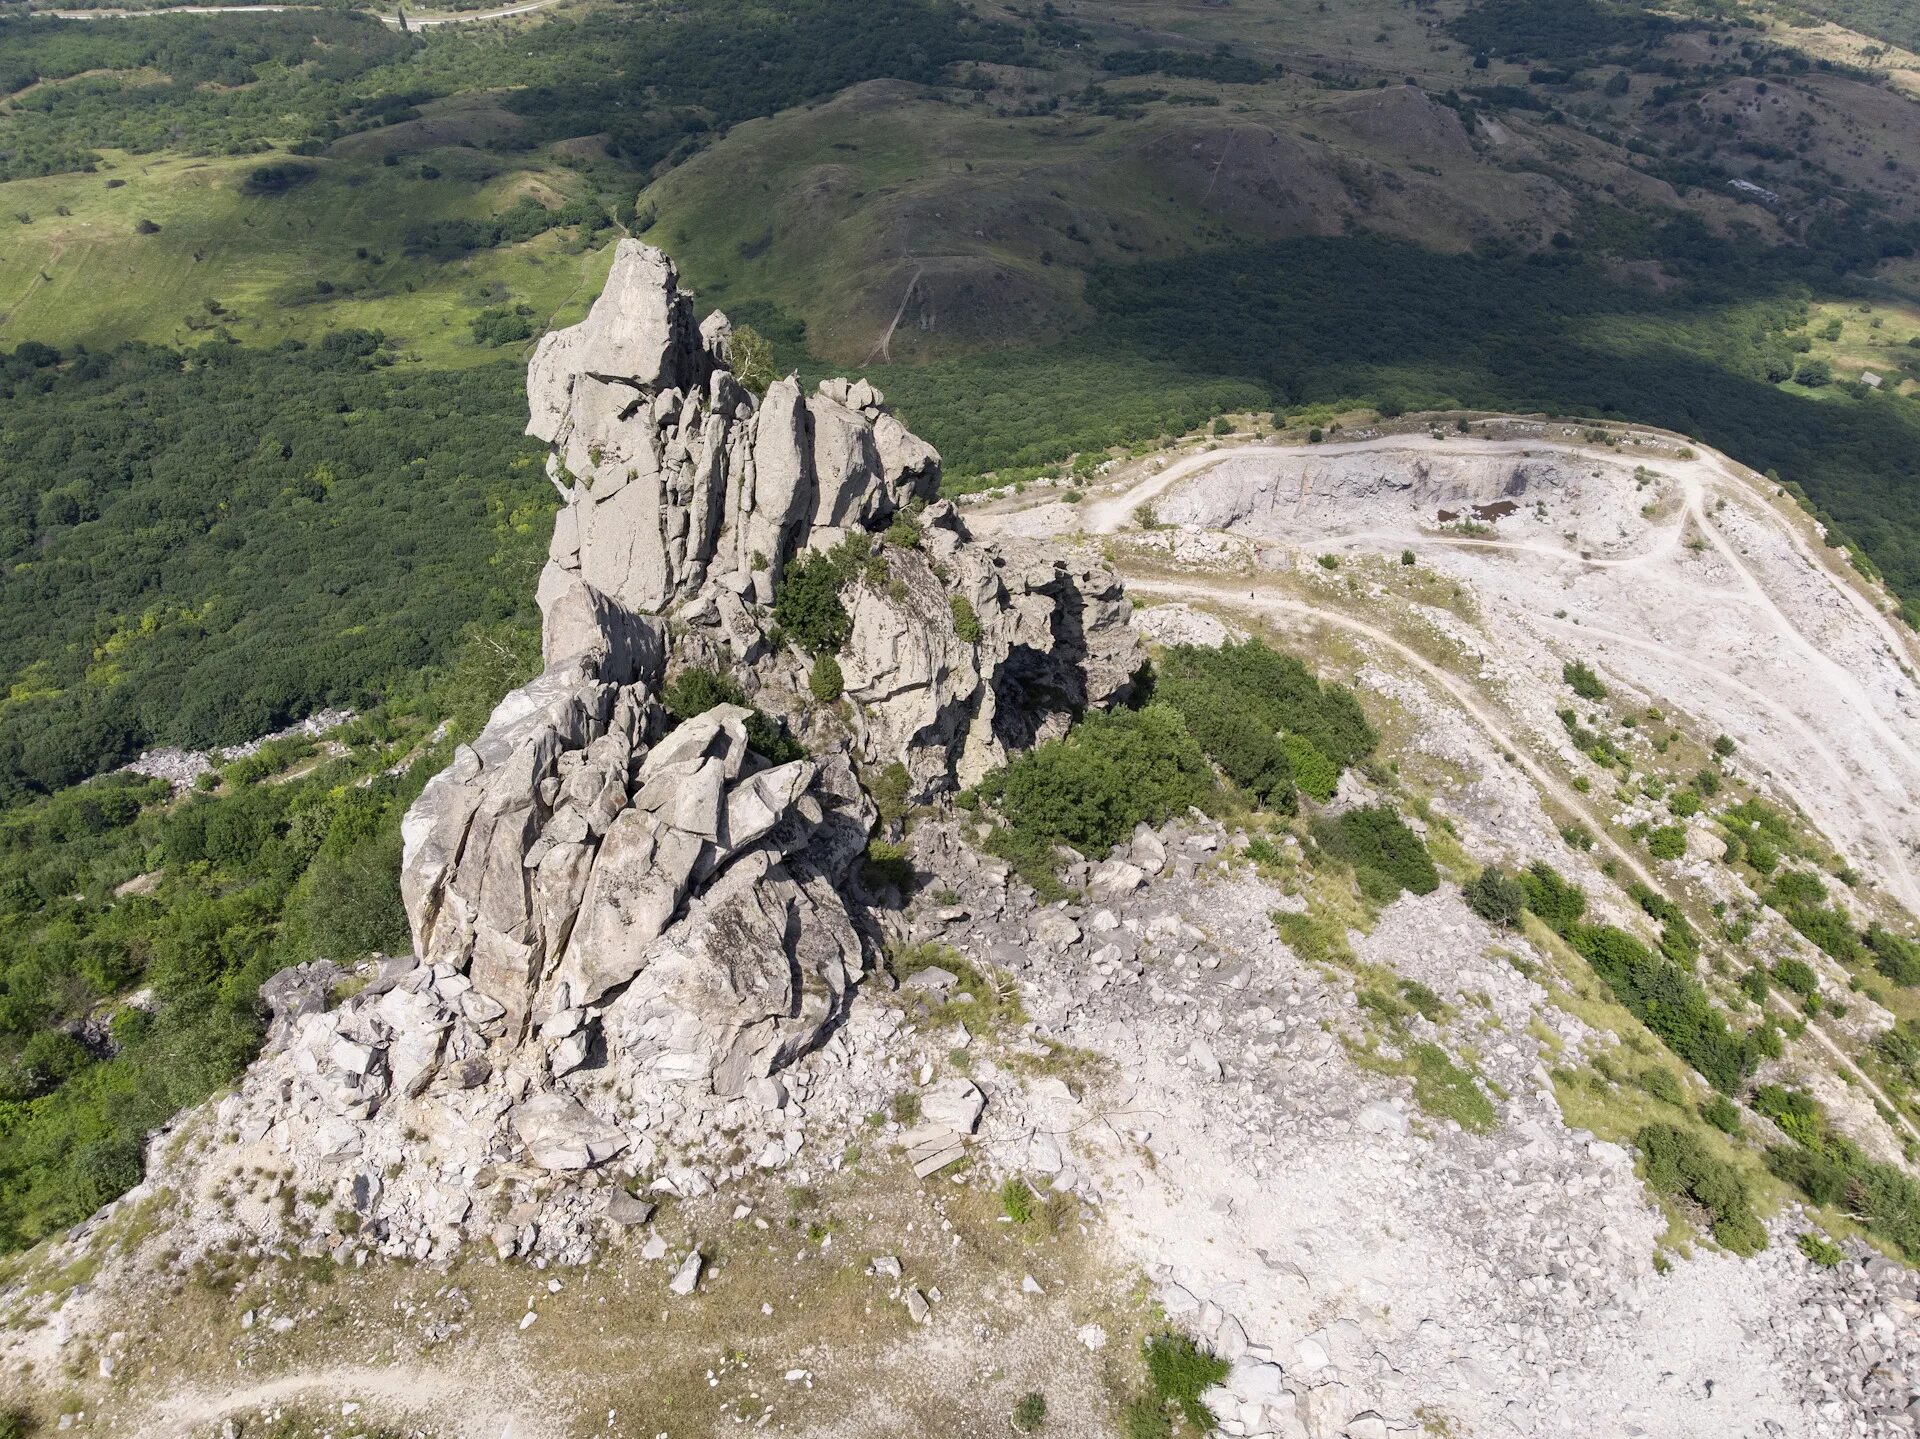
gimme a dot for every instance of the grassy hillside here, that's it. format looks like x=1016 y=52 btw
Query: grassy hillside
x=229 y=260
x=1044 y=231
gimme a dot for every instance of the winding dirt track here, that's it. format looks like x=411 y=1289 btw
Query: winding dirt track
x=445 y=1396
x=1109 y=515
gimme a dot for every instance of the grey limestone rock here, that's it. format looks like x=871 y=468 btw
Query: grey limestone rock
x=624 y=918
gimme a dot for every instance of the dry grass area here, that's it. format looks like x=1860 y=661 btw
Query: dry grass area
x=790 y=1330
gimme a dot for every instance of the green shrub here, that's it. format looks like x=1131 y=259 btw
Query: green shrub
x=750 y=357
x=1663 y=995
x=1895 y=956
x=1179 y=1372
x=1577 y=835
x=1794 y=1111
x=824 y=680
x=1679 y=1165
x=348 y=904
x=1821 y=1250
x=1030 y=1413
x=890 y=790
x=1422 y=1000
x=1314 y=774
x=695 y=691
x=1722 y=1113
x=1251 y=756
x=1723 y=746
x=807 y=605
x=1280 y=692
x=904 y=533
x=1016 y=1200
x=966 y=624
x=1797 y=976
x=1828 y=929
x=1795 y=889
x=1664 y=1085
x=1496 y=897
x=1669 y=841
x=771 y=739
x=1263 y=718
x=1582 y=680
x=1262 y=850
x=1832 y=1170
x=1669 y=1001
x=1558 y=903
x=1899 y=1048
x=1108 y=774
x=1386 y=855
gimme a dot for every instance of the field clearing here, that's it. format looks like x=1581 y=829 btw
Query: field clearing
x=88 y=275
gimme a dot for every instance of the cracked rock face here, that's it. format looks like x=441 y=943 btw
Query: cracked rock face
x=674 y=475
x=623 y=926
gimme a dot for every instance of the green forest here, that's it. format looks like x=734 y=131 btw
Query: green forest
x=136 y=928
x=656 y=91
x=197 y=548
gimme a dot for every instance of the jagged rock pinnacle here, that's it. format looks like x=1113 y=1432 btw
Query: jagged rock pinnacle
x=620 y=922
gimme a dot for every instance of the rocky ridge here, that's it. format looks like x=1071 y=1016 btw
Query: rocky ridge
x=624 y=927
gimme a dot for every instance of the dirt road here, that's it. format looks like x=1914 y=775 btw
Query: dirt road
x=1699 y=478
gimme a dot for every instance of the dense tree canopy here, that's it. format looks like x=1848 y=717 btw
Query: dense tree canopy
x=197 y=548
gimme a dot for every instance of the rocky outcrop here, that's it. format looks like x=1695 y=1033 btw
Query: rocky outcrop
x=674 y=475
x=624 y=925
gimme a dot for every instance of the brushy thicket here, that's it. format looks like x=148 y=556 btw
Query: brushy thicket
x=1264 y=708
x=1238 y=708
x=255 y=878
x=1108 y=774
x=1679 y=1164
x=1385 y=854
x=1832 y=1170
x=1660 y=993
